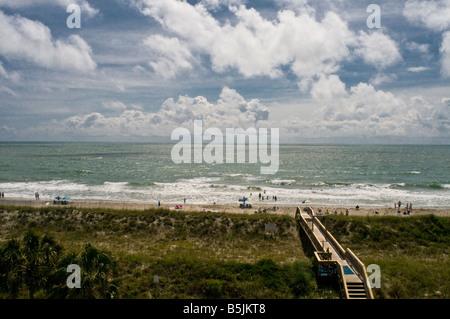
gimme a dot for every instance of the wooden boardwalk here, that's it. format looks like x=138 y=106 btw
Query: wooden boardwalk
x=333 y=260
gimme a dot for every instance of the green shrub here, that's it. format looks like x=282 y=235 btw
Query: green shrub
x=213 y=288
x=300 y=278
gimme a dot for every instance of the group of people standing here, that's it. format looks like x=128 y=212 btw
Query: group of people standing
x=399 y=205
x=408 y=207
x=262 y=196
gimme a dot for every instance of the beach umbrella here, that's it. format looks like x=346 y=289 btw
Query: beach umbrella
x=66 y=198
x=306 y=201
x=58 y=197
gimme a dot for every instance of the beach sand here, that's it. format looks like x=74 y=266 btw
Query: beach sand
x=281 y=209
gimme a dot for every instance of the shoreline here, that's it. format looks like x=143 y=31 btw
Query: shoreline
x=281 y=209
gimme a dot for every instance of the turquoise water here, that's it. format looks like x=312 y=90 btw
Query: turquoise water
x=375 y=175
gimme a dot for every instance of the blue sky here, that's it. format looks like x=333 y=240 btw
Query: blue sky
x=136 y=70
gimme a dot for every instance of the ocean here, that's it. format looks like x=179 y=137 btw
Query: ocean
x=334 y=175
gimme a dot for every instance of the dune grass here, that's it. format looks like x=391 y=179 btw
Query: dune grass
x=412 y=252
x=218 y=255
x=194 y=254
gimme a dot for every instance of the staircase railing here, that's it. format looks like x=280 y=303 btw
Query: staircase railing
x=345 y=254
x=340 y=273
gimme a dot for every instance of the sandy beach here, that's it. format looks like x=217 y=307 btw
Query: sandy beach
x=257 y=206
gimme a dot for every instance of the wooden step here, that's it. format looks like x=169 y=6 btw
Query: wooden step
x=358 y=283
x=362 y=296
x=359 y=296
x=356 y=290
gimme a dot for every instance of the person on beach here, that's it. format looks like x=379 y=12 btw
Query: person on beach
x=399 y=204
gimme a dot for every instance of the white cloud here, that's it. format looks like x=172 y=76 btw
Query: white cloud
x=417 y=69
x=171 y=57
x=445 y=52
x=215 y=4
x=114 y=106
x=378 y=49
x=433 y=14
x=364 y=111
x=446 y=101
x=328 y=89
x=365 y=102
x=5 y=130
x=231 y=110
x=428 y=117
x=419 y=47
x=84 y=5
x=318 y=47
x=423 y=49
x=119 y=106
x=24 y=39
x=253 y=45
x=12 y=76
x=360 y=111
x=9 y=91
x=381 y=78
x=242 y=40
x=296 y=5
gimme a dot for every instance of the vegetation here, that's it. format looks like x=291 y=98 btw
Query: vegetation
x=38 y=265
x=176 y=254
x=193 y=255
x=412 y=251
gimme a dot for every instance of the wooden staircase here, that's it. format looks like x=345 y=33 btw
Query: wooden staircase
x=356 y=290
x=332 y=260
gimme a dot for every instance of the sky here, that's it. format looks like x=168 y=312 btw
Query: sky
x=135 y=70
